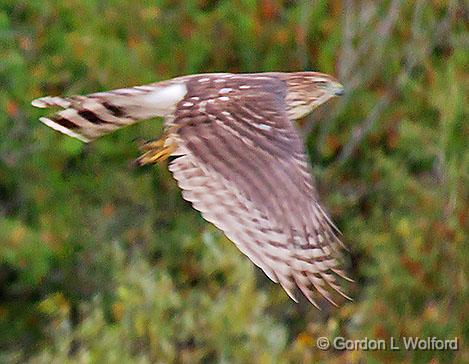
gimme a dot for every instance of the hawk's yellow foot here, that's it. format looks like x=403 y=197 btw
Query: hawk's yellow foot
x=156 y=151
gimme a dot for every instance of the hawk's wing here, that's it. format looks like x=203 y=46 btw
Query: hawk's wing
x=244 y=168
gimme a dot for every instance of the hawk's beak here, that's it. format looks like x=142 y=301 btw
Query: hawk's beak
x=337 y=89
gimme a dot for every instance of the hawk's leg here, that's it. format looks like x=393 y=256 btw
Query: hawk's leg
x=156 y=150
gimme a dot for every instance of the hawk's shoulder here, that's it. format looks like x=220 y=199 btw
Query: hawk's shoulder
x=208 y=85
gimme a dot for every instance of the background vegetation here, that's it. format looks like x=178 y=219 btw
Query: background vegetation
x=103 y=263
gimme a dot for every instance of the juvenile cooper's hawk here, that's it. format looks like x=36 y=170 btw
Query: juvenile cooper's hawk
x=239 y=161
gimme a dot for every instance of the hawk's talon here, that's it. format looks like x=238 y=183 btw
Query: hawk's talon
x=157 y=151
x=146 y=146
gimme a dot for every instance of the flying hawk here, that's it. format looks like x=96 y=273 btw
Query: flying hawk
x=238 y=160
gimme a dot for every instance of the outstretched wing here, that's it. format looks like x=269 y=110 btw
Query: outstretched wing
x=244 y=168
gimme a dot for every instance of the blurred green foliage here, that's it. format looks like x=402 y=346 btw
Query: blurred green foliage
x=102 y=263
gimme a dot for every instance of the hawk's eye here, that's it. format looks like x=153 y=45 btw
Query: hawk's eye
x=322 y=84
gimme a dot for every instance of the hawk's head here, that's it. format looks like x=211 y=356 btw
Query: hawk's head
x=308 y=90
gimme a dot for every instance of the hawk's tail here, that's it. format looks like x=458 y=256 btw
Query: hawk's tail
x=88 y=117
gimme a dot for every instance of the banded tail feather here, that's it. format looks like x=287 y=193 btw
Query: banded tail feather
x=91 y=116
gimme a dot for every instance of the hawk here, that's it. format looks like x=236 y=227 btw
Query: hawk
x=237 y=158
